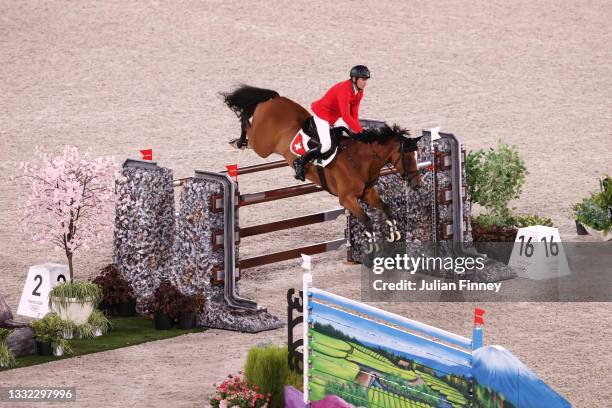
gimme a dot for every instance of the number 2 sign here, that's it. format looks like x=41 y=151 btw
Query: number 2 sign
x=39 y=282
x=538 y=253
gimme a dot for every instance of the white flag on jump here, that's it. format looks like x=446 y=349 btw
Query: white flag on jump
x=435 y=135
x=306 y=262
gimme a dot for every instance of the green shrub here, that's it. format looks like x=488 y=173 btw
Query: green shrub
x=267 y=368
x=522 y=221
x=604 y=197
x=495 y=177
x=596 y=211
x=589 y=213
x=97 y=321
x=488 y=221
x=50 y=329
x=7 y=358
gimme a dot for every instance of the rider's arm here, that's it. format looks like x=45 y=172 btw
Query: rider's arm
x=346 y=114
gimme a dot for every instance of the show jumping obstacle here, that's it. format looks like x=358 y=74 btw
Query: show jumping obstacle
x=370 y=357
x=244 y=200
x=197 y=247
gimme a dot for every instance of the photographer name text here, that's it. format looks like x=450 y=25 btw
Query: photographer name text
x=436 y=285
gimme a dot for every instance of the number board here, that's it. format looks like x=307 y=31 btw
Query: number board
x=39 y=282
x=538 y=253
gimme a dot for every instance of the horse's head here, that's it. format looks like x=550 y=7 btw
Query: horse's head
x=404 y=159
x=399 y=150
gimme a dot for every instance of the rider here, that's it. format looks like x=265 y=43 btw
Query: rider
x=339 y=107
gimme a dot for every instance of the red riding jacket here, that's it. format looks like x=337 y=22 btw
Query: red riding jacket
x=340 y=101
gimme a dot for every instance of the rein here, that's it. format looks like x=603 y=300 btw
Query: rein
x=407 y=175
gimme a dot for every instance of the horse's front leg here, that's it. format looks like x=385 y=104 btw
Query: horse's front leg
x=352 y=205
x=371 y=197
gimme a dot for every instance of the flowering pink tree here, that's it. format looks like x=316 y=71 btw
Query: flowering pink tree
x=71 y=202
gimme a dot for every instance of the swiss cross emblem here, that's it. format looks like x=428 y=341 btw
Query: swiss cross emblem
x=297 y=145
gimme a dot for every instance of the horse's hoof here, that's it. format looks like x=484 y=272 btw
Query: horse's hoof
x=369 y=249
x=398 y=235
x=237 y=144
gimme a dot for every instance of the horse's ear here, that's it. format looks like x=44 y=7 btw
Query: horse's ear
x=410 y=144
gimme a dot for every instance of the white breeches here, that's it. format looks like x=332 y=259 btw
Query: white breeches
x=323 y=131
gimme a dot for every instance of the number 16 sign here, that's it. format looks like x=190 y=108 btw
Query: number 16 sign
x=538 y=253
x=39 y=282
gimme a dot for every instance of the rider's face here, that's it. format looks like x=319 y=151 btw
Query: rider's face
x=361 y=83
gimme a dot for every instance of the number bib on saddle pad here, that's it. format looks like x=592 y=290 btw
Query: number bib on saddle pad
x=299 y=146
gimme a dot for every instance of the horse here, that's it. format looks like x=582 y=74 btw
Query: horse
x=353 y=172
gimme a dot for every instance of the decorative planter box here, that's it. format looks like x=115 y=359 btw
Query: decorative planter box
x=602 y=236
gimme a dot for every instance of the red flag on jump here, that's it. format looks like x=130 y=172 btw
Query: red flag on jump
x=232 y=170
x=147 y=154
x=479 y=316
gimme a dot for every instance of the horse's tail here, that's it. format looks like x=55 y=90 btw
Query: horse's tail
x=245 y=99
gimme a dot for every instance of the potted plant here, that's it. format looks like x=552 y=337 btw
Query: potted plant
x=163 y=305
x=70 y=329
x=117 y=294
x=99 y=323
x=595 y=212
x=49 y=338
x=74 y=300
x=495 y=177
x=186 y=308
x=236 y=392
x=7 y=358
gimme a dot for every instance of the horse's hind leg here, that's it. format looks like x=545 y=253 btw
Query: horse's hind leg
x=371 y=197
x=242 y=142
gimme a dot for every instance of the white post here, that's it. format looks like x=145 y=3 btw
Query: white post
x=306 y=285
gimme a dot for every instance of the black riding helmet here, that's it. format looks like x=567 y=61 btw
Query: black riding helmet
x=360 y=71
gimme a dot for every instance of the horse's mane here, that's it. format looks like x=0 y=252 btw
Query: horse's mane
x=383 y=134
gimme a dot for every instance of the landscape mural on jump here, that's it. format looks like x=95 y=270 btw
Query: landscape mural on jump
x=353 y=359
x=371 y=364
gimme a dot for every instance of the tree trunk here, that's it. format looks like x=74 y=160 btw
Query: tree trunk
x=69 y=255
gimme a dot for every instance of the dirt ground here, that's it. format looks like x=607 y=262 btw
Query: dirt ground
x=120 y=76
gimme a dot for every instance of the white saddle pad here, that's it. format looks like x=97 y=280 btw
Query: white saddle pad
x=299 y=146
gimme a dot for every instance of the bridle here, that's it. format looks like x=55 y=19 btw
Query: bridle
x=406 y=146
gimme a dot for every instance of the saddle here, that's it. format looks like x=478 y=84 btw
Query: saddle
x=310 y=128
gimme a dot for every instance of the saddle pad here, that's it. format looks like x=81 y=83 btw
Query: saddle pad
x=299 y=146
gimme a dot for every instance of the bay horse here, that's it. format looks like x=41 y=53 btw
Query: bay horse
x=353 y=172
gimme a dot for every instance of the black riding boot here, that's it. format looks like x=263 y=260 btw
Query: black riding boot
x=300 y=163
